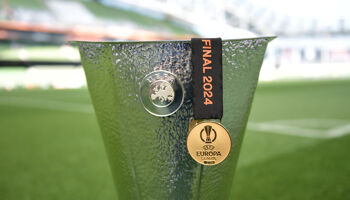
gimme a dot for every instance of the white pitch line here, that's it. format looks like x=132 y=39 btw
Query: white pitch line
x=294 y=130
x=340 y=131
x=319 y=123
x=286 y=127
x=46 y=104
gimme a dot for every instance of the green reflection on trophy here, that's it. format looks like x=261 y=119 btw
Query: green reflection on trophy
x=146 y=146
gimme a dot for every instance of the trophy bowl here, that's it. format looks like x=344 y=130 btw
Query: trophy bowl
x=141 y=93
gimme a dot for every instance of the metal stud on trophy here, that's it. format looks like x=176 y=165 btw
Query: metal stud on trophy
x=161 y=93
x=173 y=133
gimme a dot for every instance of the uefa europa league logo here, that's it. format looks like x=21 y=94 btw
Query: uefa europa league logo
x=208 y=135
x=208 y=130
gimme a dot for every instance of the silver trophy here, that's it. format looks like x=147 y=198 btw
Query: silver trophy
x=141 y=92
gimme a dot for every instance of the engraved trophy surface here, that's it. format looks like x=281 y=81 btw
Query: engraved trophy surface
x=141 y=92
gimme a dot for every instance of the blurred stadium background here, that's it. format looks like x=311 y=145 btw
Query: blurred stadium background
x=297 y=140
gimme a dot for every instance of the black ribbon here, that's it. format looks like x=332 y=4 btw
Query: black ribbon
x=207 y=78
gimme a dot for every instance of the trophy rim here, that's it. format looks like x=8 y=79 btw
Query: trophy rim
x=270 y=38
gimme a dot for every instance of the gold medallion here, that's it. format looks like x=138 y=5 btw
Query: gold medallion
x=208 y=143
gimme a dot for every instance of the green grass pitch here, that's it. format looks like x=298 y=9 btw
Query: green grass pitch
x=297 y=145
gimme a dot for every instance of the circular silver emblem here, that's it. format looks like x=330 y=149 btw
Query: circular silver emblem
x=161 y=93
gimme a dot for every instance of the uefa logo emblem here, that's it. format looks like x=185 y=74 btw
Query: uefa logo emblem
x=161 y=93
